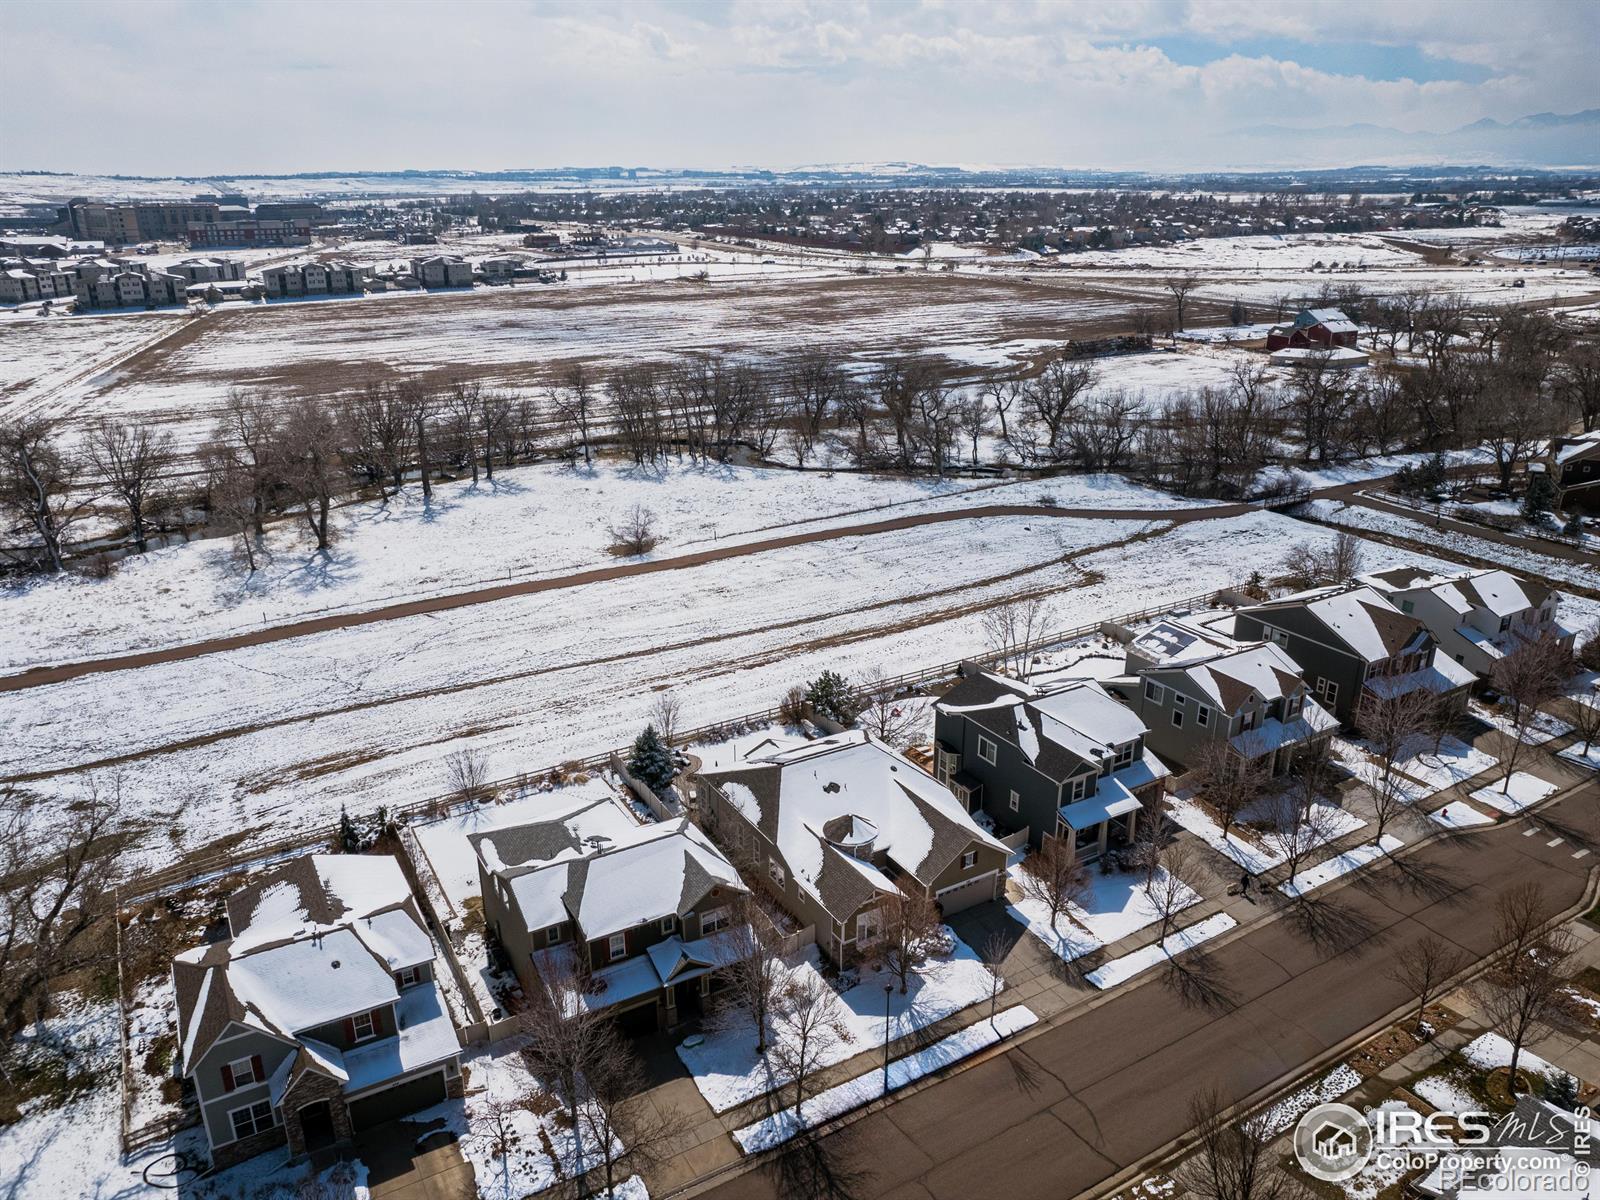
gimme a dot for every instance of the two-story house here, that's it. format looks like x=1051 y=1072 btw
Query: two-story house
x=1477 y=617
x=319 y=1016
x=1195 y=687
x=1067 y=762
x=1350 y=642
x=641 y=913
x=837 y=825
x=442 y=270
x=1573 y=464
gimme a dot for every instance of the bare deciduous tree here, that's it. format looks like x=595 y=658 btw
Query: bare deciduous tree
x=1424 y=969
x=664 y=714
x=468 y=771
x=39 y=487
x=1232 y=1160
x=634 y=533
x=574 y=402
x=1171 y=886
x=1053 y=878
x=1393 y=726
x=131 y=459
x=1228 y=782
x=1522 y=996
x=1014 y=630
x=311 y=461
x=911 y=929
x=809 y=1027
x=1180 y=286
x=620 y=1122
x=893 y=719
x=753 y=965
x=1337 y=562
x=1529 y=677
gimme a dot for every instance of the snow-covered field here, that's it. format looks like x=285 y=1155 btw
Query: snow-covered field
x=531 y=523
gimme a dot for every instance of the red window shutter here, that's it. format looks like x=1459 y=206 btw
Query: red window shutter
x=227 y=1078
x=349 y=1029
x=255 y=1068
x=377 y=1022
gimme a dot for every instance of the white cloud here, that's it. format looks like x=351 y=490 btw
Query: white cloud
x=186 y=86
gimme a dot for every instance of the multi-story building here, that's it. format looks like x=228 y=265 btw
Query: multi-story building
x=314 y=279
x=130 y=287
x=209 y=270
x=1477 y=617
x=1350 y=642
x=119 y=224
x=252 y=232
x=442 y=270
x=638 y=913
x=1067 y=762
x=319 y=1015
x=838 y=826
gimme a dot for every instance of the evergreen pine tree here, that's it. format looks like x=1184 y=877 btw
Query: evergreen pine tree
x=830 y=695
x=651 y=763
x=348 y=837
x=1562 y=1091
x=1541 y=495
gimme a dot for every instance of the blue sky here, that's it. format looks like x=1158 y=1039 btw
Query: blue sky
x=198 y=87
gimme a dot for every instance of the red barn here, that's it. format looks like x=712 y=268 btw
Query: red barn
x=1313 y=327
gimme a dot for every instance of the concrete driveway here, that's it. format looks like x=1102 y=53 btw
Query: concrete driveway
x=397 y=1169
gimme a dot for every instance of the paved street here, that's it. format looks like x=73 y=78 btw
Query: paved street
x=1064 y=1110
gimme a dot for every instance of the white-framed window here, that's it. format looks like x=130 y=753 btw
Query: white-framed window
x=1293 y=705
x=1327 y=691
x=242 y=1071
x=407 y=976
x=776 y=873
x=1078 y=788
x=1016 y=801
x=1278 y=638
x=1202 y=715
x=1179 y=700
x=1177 y=718
x=1125 y=755
x=1407 y=605
x=251 y=1119
x=986 y=749
x=1153 y=691
x=969 y=860
x=712 y=920
x=668 y=924
x=868 y=926
x=618 y=946
x=555 y=935
x=1247 y=720
x=364 y=1026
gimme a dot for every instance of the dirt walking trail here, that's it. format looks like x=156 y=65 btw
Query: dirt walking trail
x=43 y=676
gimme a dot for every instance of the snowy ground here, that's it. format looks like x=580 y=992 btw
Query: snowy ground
x=1254 y=850
x=1542 y=727
x=1511 y=796
x=1115 y=906
x=1339 y=865
x=780 y=1127
x=1451 y=763
x=1120 y=970
x=728 y=1072
x=269 y=738
x=1282 y=1115
x=531 y=523
x=1447 y=1088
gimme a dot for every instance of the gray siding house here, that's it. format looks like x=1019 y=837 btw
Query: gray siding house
x=1477 y=617
x=1195 y=687
x=832 y=827
x=641 y=913
x=1350 y=642
x=319 y=1016
x=1065 y=762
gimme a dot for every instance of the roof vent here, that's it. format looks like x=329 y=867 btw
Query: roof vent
x=830 y=788
x=336 y=964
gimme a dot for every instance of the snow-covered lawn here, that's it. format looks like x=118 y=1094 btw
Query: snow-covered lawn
x=1321 y=1090
x=1255 y=851
x=1580 y=757
x=1460 y=815
x=1453 y=762
x=496 y=1116
x=1519 y=792
x=728 y=1071
x=1541 y=727
x=1447 y=1087
x=865 y=1088
x=1115 y=906
x=1120 y=970
x=1330 y=869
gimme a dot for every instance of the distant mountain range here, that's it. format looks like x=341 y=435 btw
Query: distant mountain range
x=1541 y=139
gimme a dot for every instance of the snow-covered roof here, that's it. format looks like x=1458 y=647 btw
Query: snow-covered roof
x=1578 y=447
x=424 y=1034
x=1272 y=734
x=1496 y=591
x=1442 y=675
x=654 y=871
x=1061 y=730
x=803 y=791
x=1332 y=319
x=1363 y=618
x=1218 y=667
x=311 y=982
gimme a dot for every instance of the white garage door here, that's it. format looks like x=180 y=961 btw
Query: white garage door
x=964 y=895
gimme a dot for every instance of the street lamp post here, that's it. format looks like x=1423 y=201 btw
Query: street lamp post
x=888 y=992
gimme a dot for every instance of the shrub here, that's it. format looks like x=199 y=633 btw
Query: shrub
x=651 y=762
x=831 y=696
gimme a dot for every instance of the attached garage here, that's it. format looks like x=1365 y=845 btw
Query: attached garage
x=963 y=896
x=402 y=1100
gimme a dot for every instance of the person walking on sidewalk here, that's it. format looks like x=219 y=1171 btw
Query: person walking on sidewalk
x=1244 y=885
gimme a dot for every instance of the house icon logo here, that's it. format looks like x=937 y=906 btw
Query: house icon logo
x=1332 y=1142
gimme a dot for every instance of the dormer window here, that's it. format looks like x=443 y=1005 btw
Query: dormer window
x=407 y=976
x=363 y=1027
x=618 y=946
